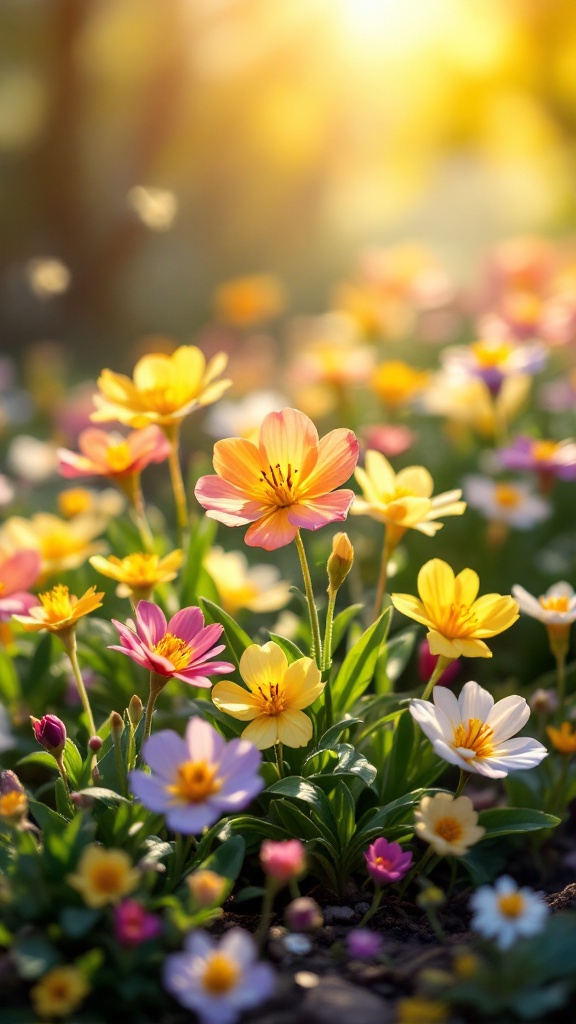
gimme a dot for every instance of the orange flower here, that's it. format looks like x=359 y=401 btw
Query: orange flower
x=59 y=610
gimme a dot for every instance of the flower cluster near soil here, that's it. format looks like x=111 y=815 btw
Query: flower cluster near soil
x=239 y=779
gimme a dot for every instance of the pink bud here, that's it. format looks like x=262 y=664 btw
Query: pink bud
x=133 y=924
x=50 y=733
x=95 y=743
x=303 y=915
x=427 y=664
x=283 y=860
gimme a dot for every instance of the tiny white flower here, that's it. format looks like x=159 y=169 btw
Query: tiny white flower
x=511 y=503
x=504 y=912
x=557 y=607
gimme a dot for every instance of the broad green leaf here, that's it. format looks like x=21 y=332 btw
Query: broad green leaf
x=237 y=639
x=342 y=803
x=333 y=734
x=357 y=670
x=505 y=821
x=342 y=622
x=399 y=650
x=201 y=539
x=47 y=819
x=228 y=858
x=9 y=682
x=292 y=652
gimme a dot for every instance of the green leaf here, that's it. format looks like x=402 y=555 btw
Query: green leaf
x=47 y=819
x=342 y=622
x=78 y=921
x=252 y=829
x=342 y=803
x=228 y=859
x=237 y=639
x=296 y=823
x=9 y=682
x=505 y=821
x=400 y=648
x=349 y=762
x=34 y=956
x=292 y=652
x=201 y=539
x=40 y=661
x=73 y=764
x=358 y=667
x=100 y=793
x=333 y=734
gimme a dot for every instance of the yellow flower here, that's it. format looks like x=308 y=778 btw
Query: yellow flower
x=75 y=501
x=13 y=805
x=248 y=301
x=396 y=383
x=469 y=403
x=257 y=588
x=62 y=544
x=207 y=888
x=421 y=1011
x=564 y=738
x=140 y=572
x=448 y=824
x=458 y=623
x=104 y=876
x=275 y=698
x=164 y=389
x=59 y=992
x=59 y=610
x=403 y=500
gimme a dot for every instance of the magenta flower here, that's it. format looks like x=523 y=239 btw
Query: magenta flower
x=179 y=649
x=17 y=573
x=387 y=862
x=283 y=860
x=50 y=733
x=133 y=924
x=198 y=778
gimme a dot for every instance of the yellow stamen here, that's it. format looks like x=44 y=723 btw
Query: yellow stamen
x=555 y=603
x=221 y=974
x=273 y=702
x=119 y=457
x=383 y=862
x=489 y=355
x=280 y=486
x=477 y=736
x=175 y=650
x=511 y=904
x=456 y=620
x=57 y=603
x=507 y=496
x=449 y=829
x=107 y=877
x=195 y=782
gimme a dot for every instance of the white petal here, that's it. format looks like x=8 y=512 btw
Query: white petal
x=507 y=717
x=475 y=702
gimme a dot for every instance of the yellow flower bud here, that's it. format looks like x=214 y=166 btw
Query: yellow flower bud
x=135 y=710
x=207 y=888
x=340 y=561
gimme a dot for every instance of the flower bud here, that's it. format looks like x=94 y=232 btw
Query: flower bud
x=284 y=860
x=303 y=915
x=207 y=888
x=81 y=801
x=116 y=726
x=339 y=562
x=50 y=733
x=13 y=799
x=430 y=897
x=95 y=744
x=135 y=711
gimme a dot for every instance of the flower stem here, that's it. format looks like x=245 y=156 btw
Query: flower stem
x=439 y=669
x=142 y=522
x=374 y=906
x=316 y=645
x=561 y=676
x=68 y=639
x=416 y=870
x=266 y=912
x=172 y=432
x=327 y=659
x=279 y=759
x=157 y=684
x=383 y=574
x=464 y=776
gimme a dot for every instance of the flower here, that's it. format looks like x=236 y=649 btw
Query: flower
x=403 y=500
x=389 y=438
x=564 y=738
x=75 y=501
x=198 y=778
x=103 y=876
x=165 y=388
x=493 y=359
x=387 y=862
x=137 y=574
x=178 y=649
x=276 y=694
x=284 y=860
x=133 y=924
x=17 y=572
x=207 y=888
x=282 y=484
x=340 y=561
x=556 y=608
x=249 y=301
x=50 y=732
x=396 y=383
x=112 y=455
x=303 y=915
x=363 y=943
x=59 y=992
x=550 y=459
x=504 y=912
x=61 y=544
x=474 y=733
x=507 y=502
x=218 y=980
x=448 y=824
x=257 y=588
x=427 y=663
x=457 y=622
x=469 y=402
x=13 y=799
x=59 y=610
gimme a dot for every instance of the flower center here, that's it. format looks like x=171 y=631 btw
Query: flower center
x=58 y=544
x=108 y=878
x=221 y=974
x=280 y=486
x=195 y=781
x=118 y=457
x=383 y=862
x=476 y=737
x=555 y=603
x=56 y=603
x=507 y=496
x=273 y=701
x=139 y=568
x=449 y=829
x=13 y=804
x=490 y=356
x=175 y=650
x=542 y=451
x=511 y=904
x=74 y=501
x=455 y=620
x=167 y=398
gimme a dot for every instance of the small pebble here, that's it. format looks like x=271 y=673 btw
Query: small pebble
x=361 y=908
x=332 y=915
x=299 y=945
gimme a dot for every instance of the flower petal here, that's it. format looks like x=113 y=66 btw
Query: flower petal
x=262 y=732
x=272 y=531
x=238 y=462
x=203 y=742
x=507 y=717
x=294 y=728
x=436 y=585
x=337 y=457
x=187 y=624
x=475 y=702
x=150 y=622
x=302 y=684
x=236 y=701
x=289 y=437
x=261 y=665
x=313 y=514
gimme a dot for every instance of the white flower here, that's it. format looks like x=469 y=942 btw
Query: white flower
x=474 y=733
x=218 y=980
x=449 y=824
x=557 y=607
x=504 y=912
x=512 y=503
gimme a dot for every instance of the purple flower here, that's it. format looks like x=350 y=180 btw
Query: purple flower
x=387 y=862
x=198 y=778
x=218 y=980
x=363 y=944
x=179 y=649
x=50 y=733
x=133 y=924
x=550 y=459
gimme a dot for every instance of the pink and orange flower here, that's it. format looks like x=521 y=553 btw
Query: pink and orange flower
x=18 y=572
x=282 y=484
x=112 y=455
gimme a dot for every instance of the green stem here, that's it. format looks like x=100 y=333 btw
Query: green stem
x=416 y=870
x=464 y=776
x=69 y=641
x=316 y=645
x=182 y=847
x=557 y=804
x=440 y=668
x=157 y=684
x=172 y=432
x=561 y=675
x=279 y=759
x=374 y=906
x=120 y=766
x=266 y=912
x=327 y=659
x=382 y=576
x=142 y=522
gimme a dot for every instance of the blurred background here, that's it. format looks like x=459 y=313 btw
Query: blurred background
x=152 y=149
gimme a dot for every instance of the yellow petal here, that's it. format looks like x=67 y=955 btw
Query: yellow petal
x=260 y=666
x=466 y=586
x=436 y=585
x=416 y=479
x=440 y=644
x=262 y=732
x=302 y=684
x=294 y=728
x=411 y=607
x=235 y=701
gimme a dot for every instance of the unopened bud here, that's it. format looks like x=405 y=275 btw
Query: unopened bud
x=543 y=702
x=13 y=799
x=207 y=888
x=95 y=744
x=135 y=711
x=81 y=801
x=116 y=726
x=340 y=561
x=303 y=915
x=50 y=733
x=431 y=897
x=283 y=860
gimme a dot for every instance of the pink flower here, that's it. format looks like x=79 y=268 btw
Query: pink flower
x=427 y=664
x=387 y=862
x=179 y=649
x=363 y=944
x=50 y=733
x=283 y=860
x=113 y=455
x=17 y=573
x=133 y=924
x=284 y=483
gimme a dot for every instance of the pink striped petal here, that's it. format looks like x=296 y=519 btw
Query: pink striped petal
x=329 y=508
x=187 y=624
x=226 y=503
x=289 y=437
x=150 y=623
x=337 y=457
x=271 y=531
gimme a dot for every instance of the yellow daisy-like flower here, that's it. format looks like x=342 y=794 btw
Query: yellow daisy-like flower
x=458 y=623
x=164 y=389
x=61 y=543
x=564 y=738
x=448 y=824
x=139 y=573
x=396 y=383
x=59 y=992
x=403 y=500
x=104 y=876
x=59 y=610
x=276 y=694
x=249 y=301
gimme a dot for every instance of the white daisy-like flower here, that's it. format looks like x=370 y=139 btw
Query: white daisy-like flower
x=449 y=824
x=504 y=912
x=473 y=732
x=557 y=607
x=512 y=503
